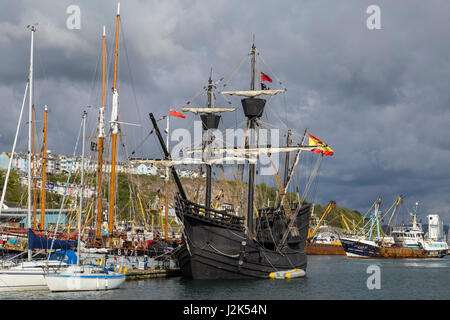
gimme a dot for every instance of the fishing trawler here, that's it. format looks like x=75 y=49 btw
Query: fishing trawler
x=365 y=244
x=403 y=241
x=220 y=244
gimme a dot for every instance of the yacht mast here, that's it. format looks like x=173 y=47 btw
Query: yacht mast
x=100 y=138
x=81 y=187
x=115 y=129
x=34 y=178
x=44 y=159
x=30 y=119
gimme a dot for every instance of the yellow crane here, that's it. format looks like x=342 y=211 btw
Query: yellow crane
x=330 y=206
x=345 y=222
x=218 y=197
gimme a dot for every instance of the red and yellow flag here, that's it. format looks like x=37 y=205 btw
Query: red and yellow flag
x=322 y=146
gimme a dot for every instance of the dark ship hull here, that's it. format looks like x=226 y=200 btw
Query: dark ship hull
x=216 y=245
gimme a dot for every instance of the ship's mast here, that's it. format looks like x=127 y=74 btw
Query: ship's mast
x=253 y=109
x=34 y=178
x=30 y=119
x=115 y=129
x=166 y=183
x=100 y=138
x=44 y=160
x=210 y=122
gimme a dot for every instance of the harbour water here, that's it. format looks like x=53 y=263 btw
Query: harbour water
x=328 y=278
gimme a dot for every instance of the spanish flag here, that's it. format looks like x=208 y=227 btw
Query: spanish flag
x=322 y=146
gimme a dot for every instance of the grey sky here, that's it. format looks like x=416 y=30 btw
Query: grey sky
x=379 y=98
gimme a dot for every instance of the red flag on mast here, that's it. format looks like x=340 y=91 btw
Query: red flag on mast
x=174 y=113
x=265 y=77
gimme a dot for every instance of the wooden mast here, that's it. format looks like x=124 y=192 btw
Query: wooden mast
x=166 y=183
x=34 y=178
x=44 y=159
x=115 y=128
x=251 y=168
x=210 y=121
x=101 y=135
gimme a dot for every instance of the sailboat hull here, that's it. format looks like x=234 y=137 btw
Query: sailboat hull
x=27 y=276
x=212 y=251
x=84 y=278
x=80 y=283
x=22 y=281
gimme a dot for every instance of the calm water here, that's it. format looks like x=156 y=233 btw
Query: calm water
x=328 y=278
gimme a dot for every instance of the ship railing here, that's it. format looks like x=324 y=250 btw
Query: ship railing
x=199 y=210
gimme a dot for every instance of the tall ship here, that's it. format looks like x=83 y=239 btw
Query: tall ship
x=245 y=242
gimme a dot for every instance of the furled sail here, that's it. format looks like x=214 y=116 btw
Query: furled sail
x=253 y=93
x=188 y=161
x=236 y=152
x=207 y=110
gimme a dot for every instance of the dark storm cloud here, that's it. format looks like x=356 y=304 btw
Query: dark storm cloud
x=380 y=98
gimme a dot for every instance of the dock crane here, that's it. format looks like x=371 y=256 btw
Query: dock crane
x=330 y=206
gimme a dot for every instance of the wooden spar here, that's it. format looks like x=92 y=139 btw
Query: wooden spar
x=166 y=183
x=166 y=207
x=34 y=178
x=114 y=134
x=251 y=124
x=168 y=157
x=44 y=159
x=100 y=144
x=287 y=159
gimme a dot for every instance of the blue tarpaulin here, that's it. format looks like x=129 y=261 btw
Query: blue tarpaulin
x=36 y=242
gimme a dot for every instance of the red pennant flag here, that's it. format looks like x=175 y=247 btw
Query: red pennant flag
x=265 y=77
x=174 y=113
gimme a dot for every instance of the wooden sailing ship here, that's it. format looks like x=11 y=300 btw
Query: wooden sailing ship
x=218 y=244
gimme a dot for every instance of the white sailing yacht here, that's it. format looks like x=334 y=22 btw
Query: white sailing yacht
x=25 y=275
x=85 y=277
